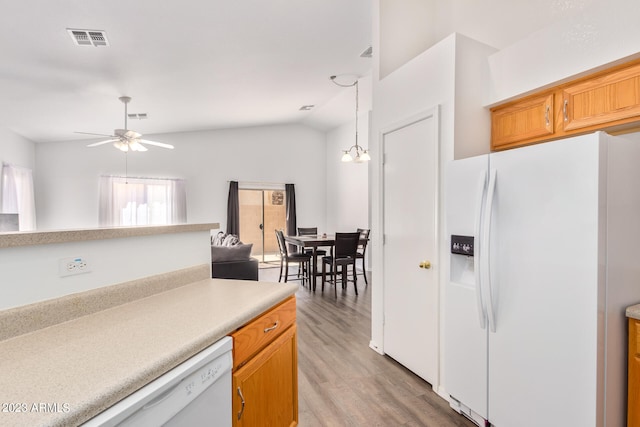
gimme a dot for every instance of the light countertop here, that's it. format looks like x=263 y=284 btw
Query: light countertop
x=80 y=367
x=31 y=238
x=634 y=312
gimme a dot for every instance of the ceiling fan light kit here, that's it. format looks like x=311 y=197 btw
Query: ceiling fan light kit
x=125 y=139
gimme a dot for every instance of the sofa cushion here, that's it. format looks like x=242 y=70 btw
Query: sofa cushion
x=231 y=253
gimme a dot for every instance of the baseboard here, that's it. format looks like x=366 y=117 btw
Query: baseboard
x=375 y=347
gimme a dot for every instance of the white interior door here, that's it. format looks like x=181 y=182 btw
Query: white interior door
x=410 y=204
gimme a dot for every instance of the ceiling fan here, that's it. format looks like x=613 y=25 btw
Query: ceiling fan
x=125 y=139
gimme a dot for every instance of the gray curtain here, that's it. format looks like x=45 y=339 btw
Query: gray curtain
x=292 y=226
x=233 y=209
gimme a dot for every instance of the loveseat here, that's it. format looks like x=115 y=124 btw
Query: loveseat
x=231 y=259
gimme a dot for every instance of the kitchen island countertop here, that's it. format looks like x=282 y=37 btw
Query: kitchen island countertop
x=65 y=374
x=634 y=312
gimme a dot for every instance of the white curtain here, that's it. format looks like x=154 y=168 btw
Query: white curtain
x=18 y=195
x=141 y=201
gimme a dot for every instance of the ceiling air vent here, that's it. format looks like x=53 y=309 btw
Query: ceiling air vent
x=139 y=116
x=88 y=37
x=367 y=52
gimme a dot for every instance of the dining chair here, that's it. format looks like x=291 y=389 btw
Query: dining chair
x=311 y=231
x=302 y=259
x=362 y=250
x=343 y=254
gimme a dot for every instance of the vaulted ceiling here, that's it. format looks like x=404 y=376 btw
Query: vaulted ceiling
x=189 y=64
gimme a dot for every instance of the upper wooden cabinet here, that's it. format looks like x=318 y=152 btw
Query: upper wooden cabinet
x=607 y=100
x=526 y=120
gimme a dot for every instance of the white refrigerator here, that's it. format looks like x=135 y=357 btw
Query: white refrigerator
x=544 y=259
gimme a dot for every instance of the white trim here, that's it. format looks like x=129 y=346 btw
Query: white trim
x=248 y=185
x=375 y=347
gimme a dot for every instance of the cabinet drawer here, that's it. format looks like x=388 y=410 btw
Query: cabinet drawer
x=254 y=336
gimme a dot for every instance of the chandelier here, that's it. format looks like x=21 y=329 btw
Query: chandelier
x=360 y=154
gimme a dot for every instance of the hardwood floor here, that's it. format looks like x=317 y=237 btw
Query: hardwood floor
x=341 y=381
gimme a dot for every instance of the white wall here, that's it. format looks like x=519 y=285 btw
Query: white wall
x=347 y=196
x=67 y=178
x=541 y=42
x=500 y=23
x=30 y=273
x=16 y=150
x=406 y=30
x=599 y=34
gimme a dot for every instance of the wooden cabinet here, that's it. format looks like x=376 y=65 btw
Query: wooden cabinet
x=526 y=120
x=633 y=406
x=265 y=376
x=607 y=100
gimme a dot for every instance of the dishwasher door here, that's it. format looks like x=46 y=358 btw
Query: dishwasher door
x=195 y=393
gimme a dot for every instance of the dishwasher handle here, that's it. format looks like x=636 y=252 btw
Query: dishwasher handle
x=161 y=398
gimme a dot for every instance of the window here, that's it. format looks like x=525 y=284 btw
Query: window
x=17 y=195
x=142 y=201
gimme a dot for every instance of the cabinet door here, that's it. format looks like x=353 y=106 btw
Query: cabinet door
x=265 y=390
x=525 y=121
x=633 y=416
x=248 y=340
x=613 y=98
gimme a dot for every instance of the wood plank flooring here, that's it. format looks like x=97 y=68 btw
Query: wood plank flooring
x=341 y=381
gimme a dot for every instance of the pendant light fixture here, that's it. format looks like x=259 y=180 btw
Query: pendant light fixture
x=360 y=154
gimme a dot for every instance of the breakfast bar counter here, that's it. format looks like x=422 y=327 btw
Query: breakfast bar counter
x=633 y=312
x=66 y=373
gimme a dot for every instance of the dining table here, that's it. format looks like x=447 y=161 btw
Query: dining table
x=315 y=241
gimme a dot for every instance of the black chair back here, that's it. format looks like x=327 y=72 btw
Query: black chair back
x=346 y=245
x=281 y=243
x=364 y=234
x=307 y=231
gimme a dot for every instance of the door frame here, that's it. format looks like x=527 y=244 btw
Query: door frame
x=434 y=113
x=261 y=186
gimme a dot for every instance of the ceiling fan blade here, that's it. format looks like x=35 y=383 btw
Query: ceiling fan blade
x=136 y=146
x=95 y=144
x=97 y=134
x=157 y=144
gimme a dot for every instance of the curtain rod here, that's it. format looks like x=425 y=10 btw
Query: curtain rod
x=255 y=185
x=143 y=177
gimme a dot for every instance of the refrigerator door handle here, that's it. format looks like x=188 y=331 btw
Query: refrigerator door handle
x=477 y=232
x=486 y=248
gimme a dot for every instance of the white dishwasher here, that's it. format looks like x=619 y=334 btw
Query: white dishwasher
x=195 y=393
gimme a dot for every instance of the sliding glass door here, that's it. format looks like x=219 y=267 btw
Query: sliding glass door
x=262 y=211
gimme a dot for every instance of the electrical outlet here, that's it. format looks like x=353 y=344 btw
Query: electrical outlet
x=73 y=266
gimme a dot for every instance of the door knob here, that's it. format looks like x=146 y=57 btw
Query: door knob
x=425 y=264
